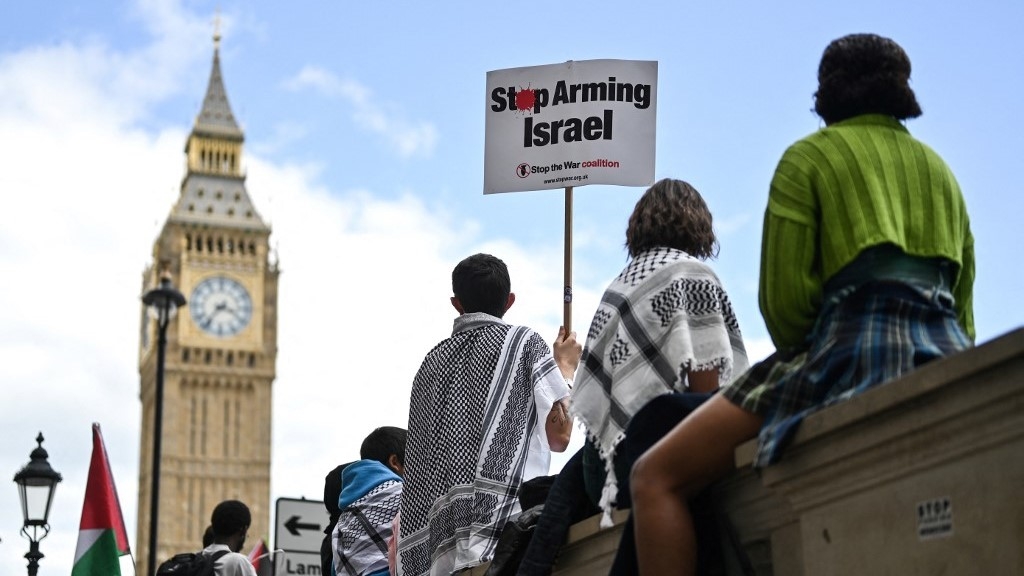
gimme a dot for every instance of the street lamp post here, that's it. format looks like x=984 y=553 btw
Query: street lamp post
x=163 y=303
x=36 y=483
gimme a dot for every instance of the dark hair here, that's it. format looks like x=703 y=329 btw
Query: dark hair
x=208 y=536
x=481 y=284
x=332 y=488
x=382 y=443
x=672 y=214
x=864 y=74
x=230 y=517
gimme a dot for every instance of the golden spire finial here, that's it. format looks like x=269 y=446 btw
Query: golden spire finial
x=216 y=29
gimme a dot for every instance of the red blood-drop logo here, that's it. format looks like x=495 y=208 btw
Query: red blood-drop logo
x=526 y=98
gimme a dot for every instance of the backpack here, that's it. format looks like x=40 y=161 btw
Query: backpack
x=190 y=564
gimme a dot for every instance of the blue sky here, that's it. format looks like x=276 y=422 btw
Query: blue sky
x=364 y=129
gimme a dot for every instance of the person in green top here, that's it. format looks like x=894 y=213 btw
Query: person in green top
x=867 y=268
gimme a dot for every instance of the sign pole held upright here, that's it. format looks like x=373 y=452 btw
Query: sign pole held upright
x=567 y=293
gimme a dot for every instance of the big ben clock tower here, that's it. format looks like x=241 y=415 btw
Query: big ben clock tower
x=221 y=347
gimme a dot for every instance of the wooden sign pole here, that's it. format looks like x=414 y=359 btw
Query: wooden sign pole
x=567 y=293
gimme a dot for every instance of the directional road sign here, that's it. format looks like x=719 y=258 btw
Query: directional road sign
x=298 y=531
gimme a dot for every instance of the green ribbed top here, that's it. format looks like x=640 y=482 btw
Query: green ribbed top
x=852 y=185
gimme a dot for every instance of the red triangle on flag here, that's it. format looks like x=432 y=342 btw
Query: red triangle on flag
x=102 y=509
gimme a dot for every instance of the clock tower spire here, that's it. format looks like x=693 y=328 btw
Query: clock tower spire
x=213 y=189
x=221 y=347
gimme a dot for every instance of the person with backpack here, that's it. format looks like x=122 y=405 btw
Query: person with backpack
x=332 y=489
x=230 y=521
x=222 y=542
x=370 y=496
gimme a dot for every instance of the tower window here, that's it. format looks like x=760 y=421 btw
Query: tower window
x=227 y=426
x=202 y=431
x=200 y=192
x=192 y=427
x=238 y=427
x=219 y=195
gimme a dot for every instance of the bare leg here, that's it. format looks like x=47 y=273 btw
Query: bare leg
x=698 y=451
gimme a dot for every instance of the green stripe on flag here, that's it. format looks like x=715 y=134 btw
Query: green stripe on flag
x=101 y=559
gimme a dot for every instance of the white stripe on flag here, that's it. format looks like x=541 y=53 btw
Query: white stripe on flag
x=86 y=538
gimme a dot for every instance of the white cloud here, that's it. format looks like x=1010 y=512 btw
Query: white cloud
x=408 y=138
x=81 y=192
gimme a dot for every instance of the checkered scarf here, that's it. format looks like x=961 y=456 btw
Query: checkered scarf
x=664 y=315
x=360 y=537
x=473 y=409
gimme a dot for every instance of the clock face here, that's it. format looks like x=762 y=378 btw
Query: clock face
x=220 y=306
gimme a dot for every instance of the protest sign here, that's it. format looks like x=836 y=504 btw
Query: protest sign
x=571 y=124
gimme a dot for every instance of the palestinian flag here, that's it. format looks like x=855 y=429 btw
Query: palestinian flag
x=102 y=539
x=261 y=558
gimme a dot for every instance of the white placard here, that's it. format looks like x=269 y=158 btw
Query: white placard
x=572 y=124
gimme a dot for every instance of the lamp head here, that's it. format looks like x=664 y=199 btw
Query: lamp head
x=37 y=482
x=164 y=301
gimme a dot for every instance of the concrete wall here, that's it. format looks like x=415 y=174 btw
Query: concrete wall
x=920 y=476
x=923 y=475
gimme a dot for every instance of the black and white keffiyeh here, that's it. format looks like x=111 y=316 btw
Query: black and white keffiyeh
x=664 y=315
x=476 y=417
x=370 y=499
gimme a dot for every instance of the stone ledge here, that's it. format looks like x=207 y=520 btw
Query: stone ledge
x=856 y=492
x=852 y=493
x=590 y=549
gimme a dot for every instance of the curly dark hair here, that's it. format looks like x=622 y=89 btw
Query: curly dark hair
x=481 y=283
x=864 y=74
x=671 y=213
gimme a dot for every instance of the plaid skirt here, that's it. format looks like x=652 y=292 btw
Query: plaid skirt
x=865 y=335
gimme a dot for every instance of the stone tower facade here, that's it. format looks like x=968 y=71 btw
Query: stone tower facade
x=221 y=350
